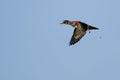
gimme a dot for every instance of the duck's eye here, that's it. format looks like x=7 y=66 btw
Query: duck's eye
x=66 y=22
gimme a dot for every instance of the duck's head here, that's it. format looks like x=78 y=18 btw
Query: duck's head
x=65 y=22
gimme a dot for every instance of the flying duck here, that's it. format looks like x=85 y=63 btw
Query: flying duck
x=79 y=31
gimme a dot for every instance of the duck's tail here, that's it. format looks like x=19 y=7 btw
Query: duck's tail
x=92 y=28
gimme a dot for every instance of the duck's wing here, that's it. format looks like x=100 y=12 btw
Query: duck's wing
x=77 y=35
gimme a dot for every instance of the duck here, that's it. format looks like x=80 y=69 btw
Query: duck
x=80 y=29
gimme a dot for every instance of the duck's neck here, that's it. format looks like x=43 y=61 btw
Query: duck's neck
x=74 y=24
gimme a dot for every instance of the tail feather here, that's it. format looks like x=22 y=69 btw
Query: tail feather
x=92 y=28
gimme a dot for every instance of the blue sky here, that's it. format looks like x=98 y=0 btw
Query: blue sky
x=34 y=46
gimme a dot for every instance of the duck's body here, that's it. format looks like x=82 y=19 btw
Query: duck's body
x=79 y=31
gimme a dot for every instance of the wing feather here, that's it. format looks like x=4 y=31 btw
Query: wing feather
x=77 y=35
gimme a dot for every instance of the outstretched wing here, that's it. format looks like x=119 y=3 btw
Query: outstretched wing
x=77 y=35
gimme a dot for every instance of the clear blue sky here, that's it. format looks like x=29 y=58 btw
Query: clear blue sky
x=34 y=46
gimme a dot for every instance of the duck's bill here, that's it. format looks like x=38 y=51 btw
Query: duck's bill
x=61 y=23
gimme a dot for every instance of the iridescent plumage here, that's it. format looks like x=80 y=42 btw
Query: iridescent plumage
x=79 y=31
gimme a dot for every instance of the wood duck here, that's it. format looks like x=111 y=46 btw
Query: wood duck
x=79 y=31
